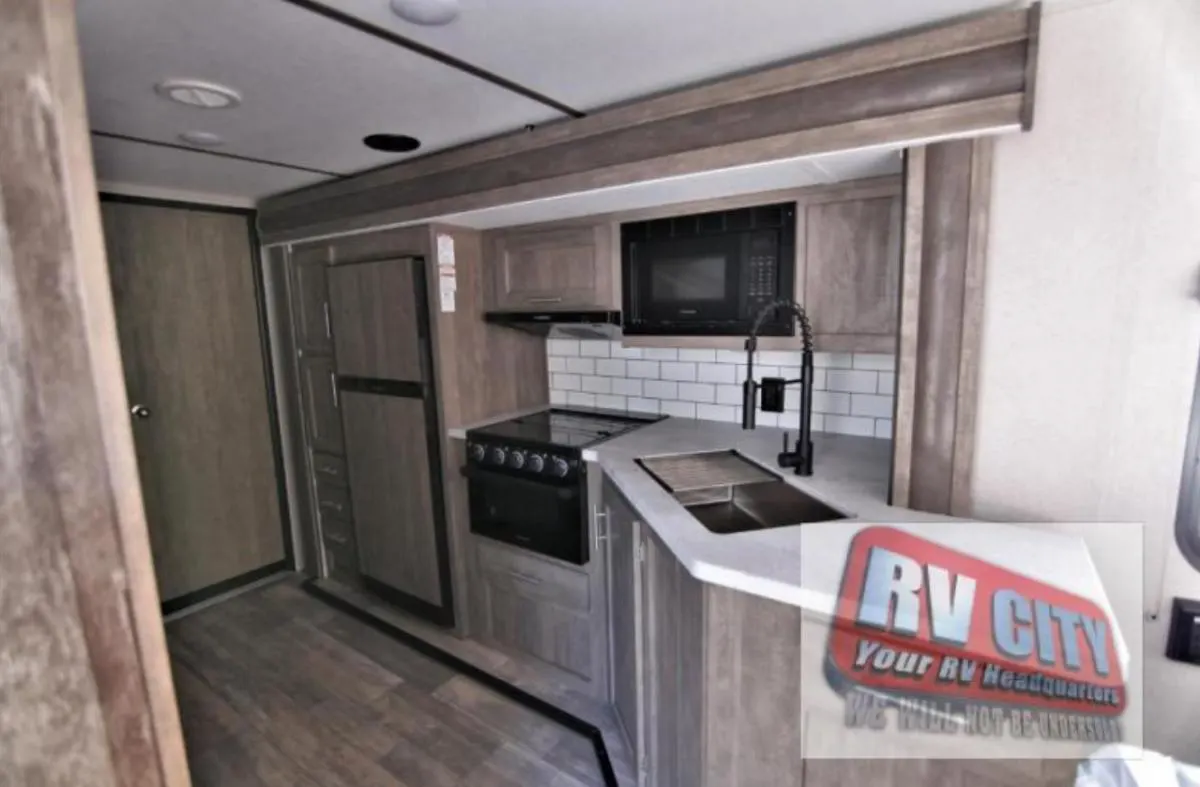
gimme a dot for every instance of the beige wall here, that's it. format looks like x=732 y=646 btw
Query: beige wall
x=1092 y=326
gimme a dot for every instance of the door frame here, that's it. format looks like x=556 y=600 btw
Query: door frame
x=264 y=341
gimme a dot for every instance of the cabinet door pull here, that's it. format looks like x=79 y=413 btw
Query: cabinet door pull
x=335 y=506
x=545 y=300
x=333 y=387
x=599 y=525
x=337 y=539
x=517 y=575
x=328 y=470
x=328 y=322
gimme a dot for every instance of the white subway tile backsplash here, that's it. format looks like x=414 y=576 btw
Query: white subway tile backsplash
x=565 y=382
x=610 y=367
x=562 y=346
x=639 y=405
x=660 y=353
x=659 y=389
x=876 y=362
x=611 y=402
x=871 y=405
x=850 y=424
x=645 y=370
x=716 y=373
x=626 y=387
x=678 y=409
x=853 y=392
x=617 y=351
x=852 y=381
x=729 y=394
x=716 y=412
x=593 y=384
x=581 y=365
x=672 y=370
x=595 y=348
x=834 y=360
x=697 y=392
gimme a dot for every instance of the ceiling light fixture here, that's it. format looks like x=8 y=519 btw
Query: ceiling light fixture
x=426 y=12
x=195 y=93
x=392 y=143
x=204 y=139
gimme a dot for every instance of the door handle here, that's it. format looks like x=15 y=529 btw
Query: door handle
x=139 y=411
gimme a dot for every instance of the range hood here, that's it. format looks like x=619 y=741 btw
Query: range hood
x=562 y=325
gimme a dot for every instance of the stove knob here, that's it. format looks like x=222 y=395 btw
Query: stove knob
x=477 y=452
x=498 y=455
x=536 y=463
x=560 y=467
x=516 y=458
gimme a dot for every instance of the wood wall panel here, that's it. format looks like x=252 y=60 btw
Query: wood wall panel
x=927 y=84
x=86 y=696
x=946 y=223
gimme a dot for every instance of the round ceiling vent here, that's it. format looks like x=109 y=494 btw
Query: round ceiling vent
x=392 y=143
x=204 y=139
x=426 y=12
x=194 y=93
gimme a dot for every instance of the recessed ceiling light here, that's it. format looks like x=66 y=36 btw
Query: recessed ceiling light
x=205 y=139
x=426 y=12
x=392 y=143
x=194 y=93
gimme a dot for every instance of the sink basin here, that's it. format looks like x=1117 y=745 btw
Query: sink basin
x=755 y=507
x=728 y=493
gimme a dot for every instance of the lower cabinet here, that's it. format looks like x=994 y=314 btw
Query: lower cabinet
x=543 y=608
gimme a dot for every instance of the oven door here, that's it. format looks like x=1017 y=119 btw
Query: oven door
x=683 y=284
x=541 y=516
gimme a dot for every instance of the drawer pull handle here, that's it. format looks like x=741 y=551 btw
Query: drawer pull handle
x=335 y=506
x=517 y=575
x=329 y=470
x=337 y=539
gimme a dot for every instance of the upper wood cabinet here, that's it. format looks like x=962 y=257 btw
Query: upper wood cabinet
x=310 y=300
x=571 y=267
x=848 y=268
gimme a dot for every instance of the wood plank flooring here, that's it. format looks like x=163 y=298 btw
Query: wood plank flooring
x=277 y=689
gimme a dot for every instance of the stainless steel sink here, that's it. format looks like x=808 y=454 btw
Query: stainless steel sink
x=739 y=495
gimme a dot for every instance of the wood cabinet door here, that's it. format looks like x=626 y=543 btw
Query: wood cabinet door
x=565 y=268
x=319 y=398
x=625 y=616
x=852 y=273
x=378 y=320
x=310 y=301
x=402 y=545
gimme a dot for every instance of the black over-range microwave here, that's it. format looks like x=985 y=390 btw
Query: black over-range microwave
x=709 y=274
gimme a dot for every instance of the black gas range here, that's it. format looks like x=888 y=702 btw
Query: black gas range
x=527 y=480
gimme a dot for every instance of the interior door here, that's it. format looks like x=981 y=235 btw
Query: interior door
x=183 y=289
x=390 y=425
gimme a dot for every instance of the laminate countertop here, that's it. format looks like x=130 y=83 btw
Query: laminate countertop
x=802 y=565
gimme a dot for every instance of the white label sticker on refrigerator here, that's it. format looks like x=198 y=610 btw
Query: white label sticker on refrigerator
x=447 y=281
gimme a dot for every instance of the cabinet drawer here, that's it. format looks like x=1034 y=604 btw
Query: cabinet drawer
x=341 y=553
x=533 y=577
x=329 y=468
x=337 y=530
x=558 y=636
x=332 y=498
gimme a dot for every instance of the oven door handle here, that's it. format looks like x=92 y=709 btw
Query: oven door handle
x=475 y=474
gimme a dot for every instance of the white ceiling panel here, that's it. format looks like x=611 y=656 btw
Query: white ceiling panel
x=783 y=174
x=118 y=161
x=589 y=53
x=312 y=88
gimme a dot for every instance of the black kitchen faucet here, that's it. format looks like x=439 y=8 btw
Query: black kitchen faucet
x=801 y=458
